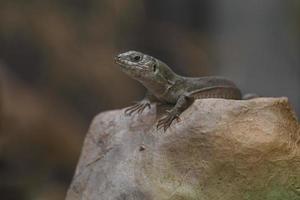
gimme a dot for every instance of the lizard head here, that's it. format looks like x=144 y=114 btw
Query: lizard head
x=151 y=72
x=142 y=66
x=137 y=65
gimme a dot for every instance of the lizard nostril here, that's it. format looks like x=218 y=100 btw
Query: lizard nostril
x=118 y=57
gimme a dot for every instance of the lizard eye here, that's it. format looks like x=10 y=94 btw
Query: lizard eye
x=137 y=58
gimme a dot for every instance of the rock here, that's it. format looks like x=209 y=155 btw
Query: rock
x=221 y=149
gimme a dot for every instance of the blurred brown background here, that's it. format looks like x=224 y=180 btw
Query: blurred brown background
x=57 y=70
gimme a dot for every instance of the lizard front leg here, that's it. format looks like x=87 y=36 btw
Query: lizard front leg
x=182 y=104
x=140 y=106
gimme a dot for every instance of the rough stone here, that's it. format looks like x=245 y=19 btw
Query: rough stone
x=221 y=149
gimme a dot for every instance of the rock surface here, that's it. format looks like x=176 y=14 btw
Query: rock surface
x=221 y=149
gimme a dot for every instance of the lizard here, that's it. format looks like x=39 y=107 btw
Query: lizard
x=165 y=86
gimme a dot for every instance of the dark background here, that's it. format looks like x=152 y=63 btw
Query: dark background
x=57 y=70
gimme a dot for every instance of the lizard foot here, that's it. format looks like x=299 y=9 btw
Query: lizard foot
x=139 y=107
x=166 y=121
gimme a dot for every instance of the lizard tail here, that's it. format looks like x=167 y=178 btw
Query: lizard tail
x=250 y=96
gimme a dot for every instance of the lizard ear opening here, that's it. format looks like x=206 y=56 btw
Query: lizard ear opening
x=154 y=67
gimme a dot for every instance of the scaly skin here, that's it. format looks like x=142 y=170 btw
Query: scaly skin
x=167 y=87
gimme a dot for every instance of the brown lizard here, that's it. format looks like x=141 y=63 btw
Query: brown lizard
x=167 y=87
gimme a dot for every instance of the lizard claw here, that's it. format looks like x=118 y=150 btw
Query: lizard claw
x=166 y=121
x=139 y=107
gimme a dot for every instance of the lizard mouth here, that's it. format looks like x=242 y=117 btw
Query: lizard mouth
x=127 y=64
x=118 y=60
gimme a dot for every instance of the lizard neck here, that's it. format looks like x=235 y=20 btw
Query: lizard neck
x=160 y=84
